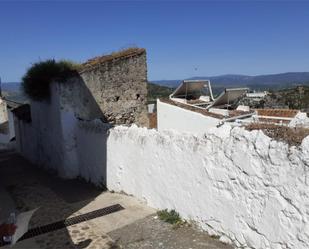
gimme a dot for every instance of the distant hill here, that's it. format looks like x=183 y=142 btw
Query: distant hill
x=294 y=98
x=11 y=86
x=269 y=81
x=156 y=91
x=164 y=88
x=12 y=91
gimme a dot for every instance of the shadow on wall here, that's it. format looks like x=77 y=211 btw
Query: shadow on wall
x=57 y=199
x=72 y=137
x=66 y=133
x=87 y=133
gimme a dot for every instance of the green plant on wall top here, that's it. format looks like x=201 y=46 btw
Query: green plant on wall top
x=37 y=79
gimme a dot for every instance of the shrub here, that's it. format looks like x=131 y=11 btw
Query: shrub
x=37 y=79
x=171 y=217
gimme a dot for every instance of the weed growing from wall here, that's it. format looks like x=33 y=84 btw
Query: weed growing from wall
x=171 y=216
x=39 y=76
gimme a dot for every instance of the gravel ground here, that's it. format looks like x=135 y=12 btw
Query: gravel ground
x=153 y=233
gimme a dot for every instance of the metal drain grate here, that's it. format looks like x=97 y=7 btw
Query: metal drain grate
x=70 y=221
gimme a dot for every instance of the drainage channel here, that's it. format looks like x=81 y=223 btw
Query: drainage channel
x=69 y=222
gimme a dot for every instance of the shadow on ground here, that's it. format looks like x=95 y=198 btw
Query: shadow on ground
x=132 y=228
x=57 y=199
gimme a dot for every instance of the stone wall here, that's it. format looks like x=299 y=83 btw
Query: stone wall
x=118 y=84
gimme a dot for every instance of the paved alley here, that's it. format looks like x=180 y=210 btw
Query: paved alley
x=24 y=186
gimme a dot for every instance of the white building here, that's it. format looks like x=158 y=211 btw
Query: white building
x=257 y=95
x=7 y=130
x=192 y=108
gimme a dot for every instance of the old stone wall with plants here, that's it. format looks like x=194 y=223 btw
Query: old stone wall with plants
x=112 y=88
x=118 y=84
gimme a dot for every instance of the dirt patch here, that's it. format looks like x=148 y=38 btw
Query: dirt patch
x=154 y=233
x=286 y=113
x=292 y=136
x=153 y=120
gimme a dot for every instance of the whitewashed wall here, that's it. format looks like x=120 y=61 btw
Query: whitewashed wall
x=91 y=150
x=49 y=139
x=240 y=185
x=3 y=112
x=57 y=140
x=179 y=119
x=5 y=143
x=11 y=124
x=243 y=186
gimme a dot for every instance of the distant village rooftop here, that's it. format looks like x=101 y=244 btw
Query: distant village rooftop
x=196 y=96
x=205 y=112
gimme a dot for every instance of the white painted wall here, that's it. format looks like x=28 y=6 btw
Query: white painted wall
x=5 y=138
x=56 y=139
x=300 y=120
x=240 y=185
x=151 y=108
x=49 y=140
x=179 y=119
x=3 y=111
x=91 y=150
x=11 y=124
x=4 y=141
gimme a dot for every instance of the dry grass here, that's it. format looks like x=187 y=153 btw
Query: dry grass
x=288 y=113
x=113 y=56
x=292 y=136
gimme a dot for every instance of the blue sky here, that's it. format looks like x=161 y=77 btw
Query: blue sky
x=183 y=39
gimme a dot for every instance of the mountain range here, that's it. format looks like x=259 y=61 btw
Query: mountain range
x=269 y=81
x=10 y=86
x=259 y=82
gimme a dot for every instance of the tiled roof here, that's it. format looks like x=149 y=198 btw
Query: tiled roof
x=285 y=113
x=232 y=113
x=192 y=108
x=113 y=56
x=274 y=121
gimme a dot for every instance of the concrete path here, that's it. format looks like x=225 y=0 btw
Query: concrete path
x=134 y=227
x=150 y=233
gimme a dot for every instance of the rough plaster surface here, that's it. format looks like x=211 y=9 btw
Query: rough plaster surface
x=240 y=185
x=301 y=119
x=243 y=186
x=61 y=142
